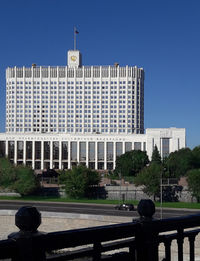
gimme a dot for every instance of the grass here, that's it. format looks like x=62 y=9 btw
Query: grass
x=57 y=199
x=179 y=205
x=100 y=201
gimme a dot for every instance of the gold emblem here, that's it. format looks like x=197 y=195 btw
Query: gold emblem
x=73 y=58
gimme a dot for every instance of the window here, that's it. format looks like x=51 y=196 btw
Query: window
x=47 y=150
x=64 y=150
x=137 y=145
x=109 y=151
x=73 y=151
x=29 y=150
x=82 y=151
x=20 y=150
x=100 y=151
x=56 y=150
x=165 y=147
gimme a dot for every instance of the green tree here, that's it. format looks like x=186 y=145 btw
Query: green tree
x=156 y=158
x=130 y=163
x=79 y=181
x=26 y=182
x=149 y=177
x=195 y=161
x=7 y=173
x=193 y=178
x=179 y=162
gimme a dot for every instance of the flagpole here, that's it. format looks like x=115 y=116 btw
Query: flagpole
x=74 y=38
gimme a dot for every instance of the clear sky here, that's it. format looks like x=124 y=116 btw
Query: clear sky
x=162 y=36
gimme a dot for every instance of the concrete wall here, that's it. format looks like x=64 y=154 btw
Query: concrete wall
x=135 y=193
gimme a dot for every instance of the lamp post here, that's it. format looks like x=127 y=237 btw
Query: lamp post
x=161 y=198
x=161 y=192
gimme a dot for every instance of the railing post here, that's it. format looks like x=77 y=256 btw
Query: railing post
x=97 y=251
x=27 y=219
x=146 y=237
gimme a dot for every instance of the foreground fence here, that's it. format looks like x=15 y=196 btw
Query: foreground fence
x=141 y=237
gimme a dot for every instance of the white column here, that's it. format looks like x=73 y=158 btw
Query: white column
x=15 y=154
x=24 y=153
x=78 y=152
x=33 y=154
x=87 y=153
x=42 y=154
x=114 y=154
x=51 y=154
x=60 y=154
x=123 y=147
x=69 y=155
x=6 y=147
x=96 y=155
x=105 y=155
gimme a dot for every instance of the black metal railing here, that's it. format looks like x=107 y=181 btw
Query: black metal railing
x=138 y=240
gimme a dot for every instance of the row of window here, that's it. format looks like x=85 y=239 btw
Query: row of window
x=72 y=82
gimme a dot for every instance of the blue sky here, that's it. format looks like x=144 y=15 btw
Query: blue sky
x=162 y=36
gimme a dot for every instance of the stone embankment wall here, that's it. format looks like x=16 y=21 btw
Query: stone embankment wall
x=132 y=192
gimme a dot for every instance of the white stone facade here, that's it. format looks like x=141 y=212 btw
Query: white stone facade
x=60 y=116
x=97 y=151
x=75 y=99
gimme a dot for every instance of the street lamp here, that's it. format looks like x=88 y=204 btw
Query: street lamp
x=161 y=192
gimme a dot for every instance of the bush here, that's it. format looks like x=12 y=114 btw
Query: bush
x=193 y=178
x=7 y=173
x=79 y=181
x=26 y=182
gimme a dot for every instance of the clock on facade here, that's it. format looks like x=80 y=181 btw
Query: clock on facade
x=73 y=58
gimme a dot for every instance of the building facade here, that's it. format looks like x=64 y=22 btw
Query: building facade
x=57 y=117
x=75 y=99
x=97 y=151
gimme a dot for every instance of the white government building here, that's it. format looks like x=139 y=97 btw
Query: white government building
x=57 y=117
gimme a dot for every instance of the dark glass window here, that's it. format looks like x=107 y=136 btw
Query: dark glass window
x=91 y=151
x=56 y=150
x=20 y=149
x=109 y=165
x=64 y=150
x=28 y=150
x=100 y=165
x=74 y=151
x=165 y=147
x=82 y=149
x=109 y=151
x=100 y=151
x=91 y=165
x=2 y=149
x=38 y=150
x=128 y=146
x=118 y=149
x=47 y=150
x=137 y=145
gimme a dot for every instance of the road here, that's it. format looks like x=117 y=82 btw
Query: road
x=94 y=209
